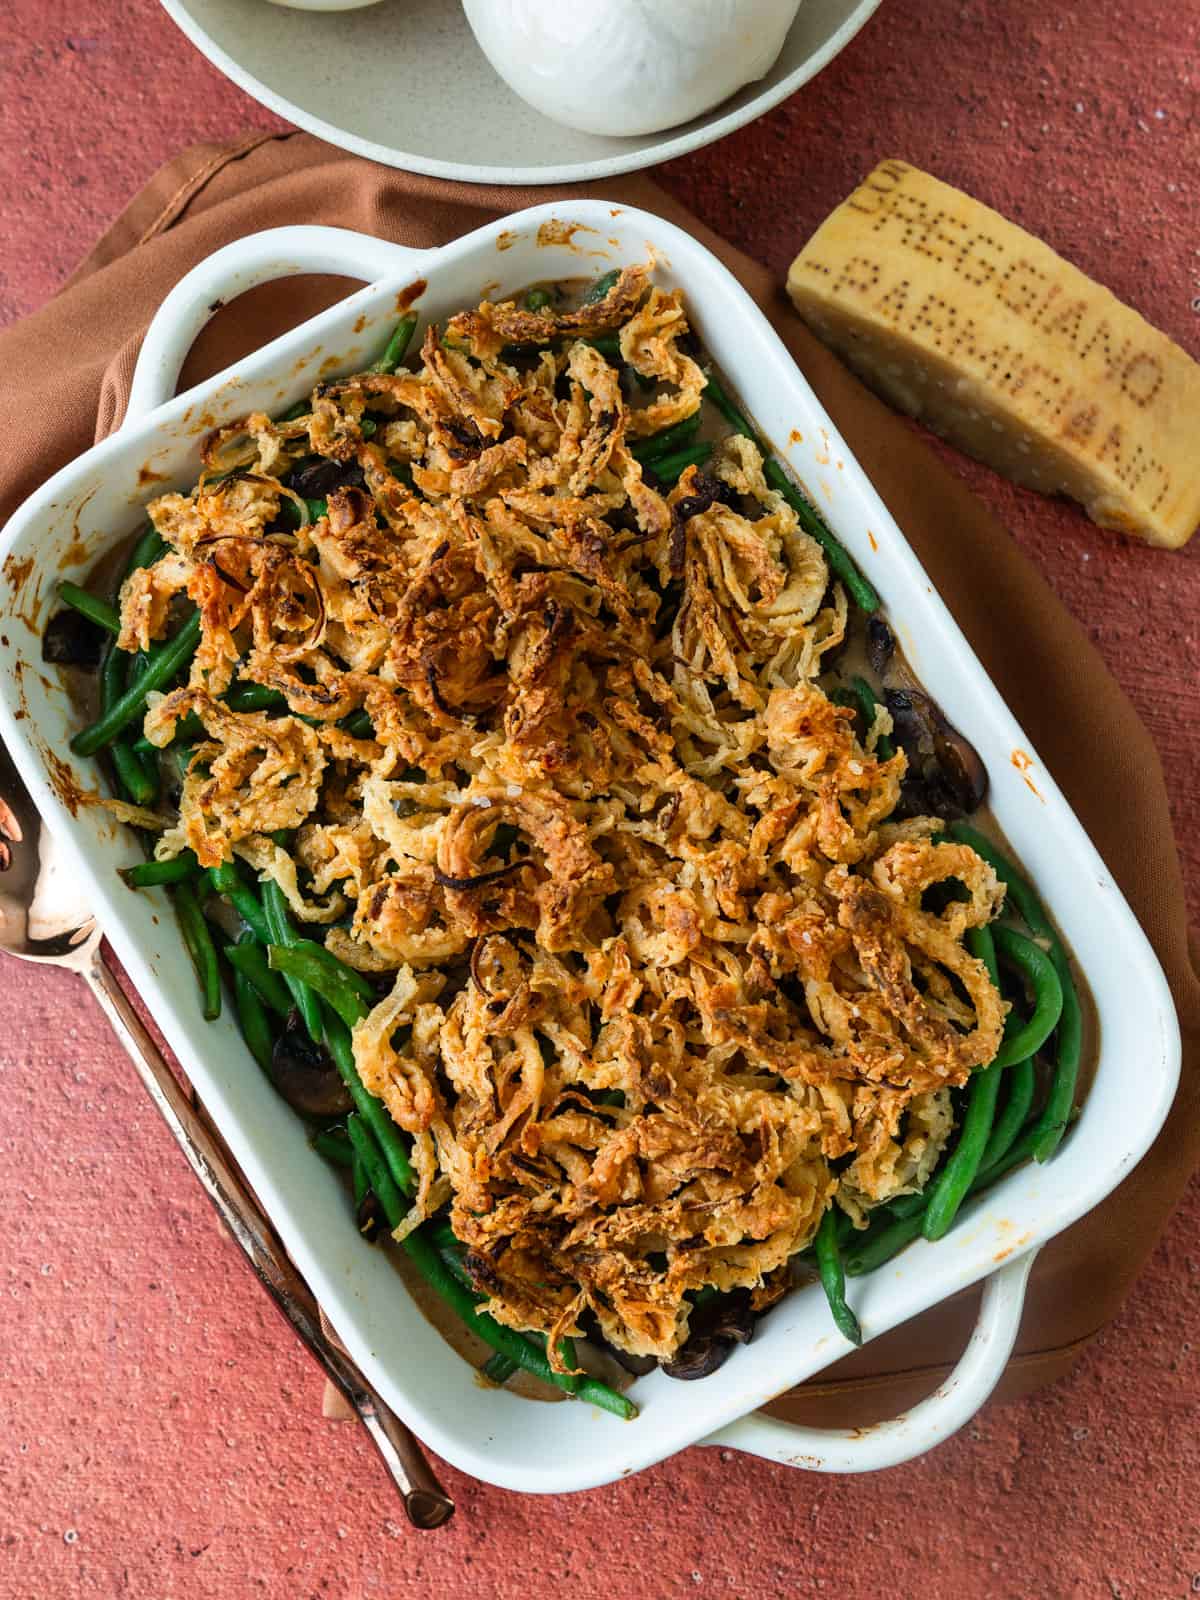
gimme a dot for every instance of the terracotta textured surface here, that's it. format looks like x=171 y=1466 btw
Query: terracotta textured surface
x=160 y=1433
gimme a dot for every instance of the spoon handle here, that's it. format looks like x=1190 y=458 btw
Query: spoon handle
x=426 y=1503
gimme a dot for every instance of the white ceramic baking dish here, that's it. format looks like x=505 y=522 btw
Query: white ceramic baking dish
x=95 y=501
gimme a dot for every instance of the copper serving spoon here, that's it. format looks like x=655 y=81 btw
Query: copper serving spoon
x=41 y=919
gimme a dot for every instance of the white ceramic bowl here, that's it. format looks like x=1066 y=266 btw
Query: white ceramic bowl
x=406 y=84
x=95 y=501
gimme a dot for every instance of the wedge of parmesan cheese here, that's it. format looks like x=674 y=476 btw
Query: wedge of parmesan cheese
x=971 y=324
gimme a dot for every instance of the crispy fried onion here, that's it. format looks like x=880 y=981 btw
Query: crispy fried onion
x=659 y=955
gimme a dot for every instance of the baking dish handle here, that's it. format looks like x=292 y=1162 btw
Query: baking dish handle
x=228 y=272
x=887 y=1444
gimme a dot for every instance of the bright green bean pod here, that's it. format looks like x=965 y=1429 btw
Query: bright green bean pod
x=458 y=1296
x=377 y=1169
x=538 y=300
x=833 y=1277
x=132 y=775
x=498 y=1369
x=841 y=563
x=254 y=697
x=608 y=344
x=1020 y=1081
x=375 y=1115
x=227 y=880
x=667 y=440
x=1038 y=970
x=397 y=346
x=253 y=1020
x=359 y=725
x=165 y=663
x=249 y=958
x=949 y=1189
x=101 y=612
x=307 y=963
x=336 y=1149
x=200 y=947
x=148 y=873
x=358 y=1177
x=880 y=1244
x=1056 y=1114
x=451 y=1253
x=669 y=469
x=599 y=289
x=283 y=934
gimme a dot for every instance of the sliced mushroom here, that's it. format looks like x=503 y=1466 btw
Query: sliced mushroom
x=318 y=478
x=881 y=645
x=946 y=777
x=715 y=1328
x=305 y=1075
x=71 y=640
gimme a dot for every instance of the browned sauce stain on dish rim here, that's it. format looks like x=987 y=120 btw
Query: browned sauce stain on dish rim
x=557 y=231
x=410 y=293
x=64 y=782
x=1023 y=761
x=507 y=238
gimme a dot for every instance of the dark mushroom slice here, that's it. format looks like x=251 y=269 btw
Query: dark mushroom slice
x=72 y=640
x=317 y=477
x=716 y=1327
x=946 y=777
x=881 y=645
x=304 y=1073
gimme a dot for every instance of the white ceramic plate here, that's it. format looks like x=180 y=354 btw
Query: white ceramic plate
x=405 y=83
x=95 y=501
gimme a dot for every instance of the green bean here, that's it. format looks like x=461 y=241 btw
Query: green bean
x=358 y=1176
x=101 y=612
x=461 y=1298
x=498 y=1368
x=146 y=551
x=1056 y=1114
x=283 y=934
x=165 y=663
x=227 y=880
x=254 y=697
x=302 y=408
x=869 y=705
x=377 y=1169
x=451 y=1254
x=714 y=391
x=317 y=509
x=608 y=344
x=841 y=563
x=1021 y=1083
x=599 y=289
x=397 y=346
x=373 y=1112
x=148 y=873
x=359 y=725
x=1037 y=968
x=132 y=775
x=335 y=1146
x=949 y=1188
x=538 y=300
x=667 y=439
x=906 y=1205
x=200 y=947
x=309 y=963
x=253 y=1020
x=669 y=469
x=833 y=1277
x=880 y=1244
x=249 y=958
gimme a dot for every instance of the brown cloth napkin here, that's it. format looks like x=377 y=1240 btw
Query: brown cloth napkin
x=67 y=372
